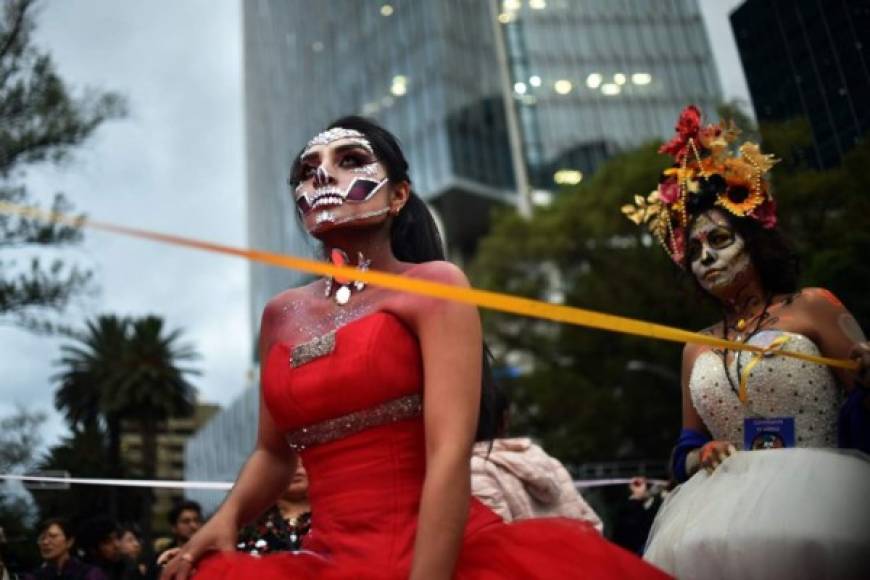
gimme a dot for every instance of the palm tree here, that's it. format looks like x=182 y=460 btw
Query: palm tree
x=152 y=388
x=90 y=367
x=127 y=370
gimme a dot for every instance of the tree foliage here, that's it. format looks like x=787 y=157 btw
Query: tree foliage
x=40 y=121
x=121 y=373
x=19 y=443
x=592 y=396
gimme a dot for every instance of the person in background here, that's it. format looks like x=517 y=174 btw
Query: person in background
x=99 y=540
x=185 y=518
x=284 y=525
x=5 y=573
x=517 y=479
x=635 y=516
x=130 y=544
x=56 y=542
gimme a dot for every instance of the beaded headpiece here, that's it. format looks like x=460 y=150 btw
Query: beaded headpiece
x=706 y=172
x=334 y=134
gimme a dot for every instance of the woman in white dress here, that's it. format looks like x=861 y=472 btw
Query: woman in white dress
x=794 y=506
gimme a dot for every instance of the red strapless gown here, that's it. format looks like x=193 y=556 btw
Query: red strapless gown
x=366 y=473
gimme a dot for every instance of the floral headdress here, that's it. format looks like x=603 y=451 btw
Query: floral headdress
x=706 y=172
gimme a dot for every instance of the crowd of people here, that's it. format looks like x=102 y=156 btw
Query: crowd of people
x=512 y=476
x=100 y=548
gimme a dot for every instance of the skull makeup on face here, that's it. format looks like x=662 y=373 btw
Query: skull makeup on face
x=338 y=166
x=717 y=253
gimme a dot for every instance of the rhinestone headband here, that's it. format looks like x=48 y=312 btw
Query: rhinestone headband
x=336 y=133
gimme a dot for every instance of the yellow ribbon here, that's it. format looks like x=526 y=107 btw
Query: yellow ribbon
x=774 y=347
x=482 y=298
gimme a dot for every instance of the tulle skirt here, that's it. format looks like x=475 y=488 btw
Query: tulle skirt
x=551 y=549
x=780 y=513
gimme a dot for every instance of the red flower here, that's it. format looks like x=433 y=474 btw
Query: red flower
x=765 y=214
x=687 y=128
x=669 y=191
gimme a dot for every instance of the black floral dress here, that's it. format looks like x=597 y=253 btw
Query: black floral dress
x=272 y=533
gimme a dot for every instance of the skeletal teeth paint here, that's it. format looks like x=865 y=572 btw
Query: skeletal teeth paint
x=360 y=189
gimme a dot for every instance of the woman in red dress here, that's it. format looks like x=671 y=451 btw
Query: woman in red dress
x=380 y=394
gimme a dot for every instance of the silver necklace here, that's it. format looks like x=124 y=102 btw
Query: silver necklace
x=344 y=288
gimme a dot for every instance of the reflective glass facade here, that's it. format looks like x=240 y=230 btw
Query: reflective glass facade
x=809 y=59
x=592 y=77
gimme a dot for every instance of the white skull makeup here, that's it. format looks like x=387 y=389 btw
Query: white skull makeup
x=338 y=166
x=718 y=255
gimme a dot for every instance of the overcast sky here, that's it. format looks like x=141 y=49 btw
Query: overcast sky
x=175 y=165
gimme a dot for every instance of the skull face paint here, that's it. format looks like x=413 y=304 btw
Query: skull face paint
x=717 y=253
x=337 y=174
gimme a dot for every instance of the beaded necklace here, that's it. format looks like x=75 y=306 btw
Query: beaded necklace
x=741 y=324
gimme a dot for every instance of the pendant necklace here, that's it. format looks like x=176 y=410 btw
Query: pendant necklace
x=740 y=327
x=343 y=287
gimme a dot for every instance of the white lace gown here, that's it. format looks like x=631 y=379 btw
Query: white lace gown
x=790 y=513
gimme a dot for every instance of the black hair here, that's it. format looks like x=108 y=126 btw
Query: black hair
x=414 y=237
x=132 y=528
x=95 y=531
x=185 y=505
x=62 y=523
x=772 y=254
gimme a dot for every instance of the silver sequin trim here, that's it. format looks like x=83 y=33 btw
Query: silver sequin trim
x=400 y=409
x=307 y=352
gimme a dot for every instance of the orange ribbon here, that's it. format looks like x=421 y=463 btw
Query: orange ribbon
x=482 y=298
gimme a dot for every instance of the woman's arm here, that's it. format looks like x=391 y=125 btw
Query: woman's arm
x=694 y=448
x=835 y=330
x=265 y=475
x=451 y=344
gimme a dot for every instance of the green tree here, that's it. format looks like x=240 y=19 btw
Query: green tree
x=40 y=121
x=121 y=373
x=591 y=396
x=92 y=366
x=83 y=454
x=19 y=443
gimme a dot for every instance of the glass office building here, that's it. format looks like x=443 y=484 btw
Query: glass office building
x=593 y=77
x=808 y=59
x=587 y=78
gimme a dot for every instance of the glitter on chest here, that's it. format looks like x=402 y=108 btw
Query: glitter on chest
x=778 y=387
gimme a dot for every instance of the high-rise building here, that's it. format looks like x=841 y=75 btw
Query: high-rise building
x=172 y=436
x=587 y=78
x=808 y=59
x=218 y=450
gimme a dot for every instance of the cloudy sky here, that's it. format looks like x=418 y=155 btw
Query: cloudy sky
x=175 y=165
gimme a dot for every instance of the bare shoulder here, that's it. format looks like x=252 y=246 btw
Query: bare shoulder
x=276 y=309
x=439 y=271
x=419 y=309
x=817 y=299
x=278 y=302
x=692 y=350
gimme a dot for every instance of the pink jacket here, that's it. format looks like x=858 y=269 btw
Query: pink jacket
x=519 y=480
